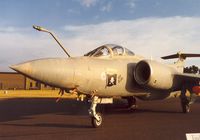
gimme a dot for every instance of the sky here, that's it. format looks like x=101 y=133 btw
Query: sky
x=152 y=28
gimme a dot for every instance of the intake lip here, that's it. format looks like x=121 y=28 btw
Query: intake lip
x=142 y=72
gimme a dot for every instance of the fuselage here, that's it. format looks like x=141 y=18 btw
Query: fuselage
x=86 y=74
x=107 y=71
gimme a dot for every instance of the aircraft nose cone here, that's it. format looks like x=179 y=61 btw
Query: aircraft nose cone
x=23 y=68
x=58 y=72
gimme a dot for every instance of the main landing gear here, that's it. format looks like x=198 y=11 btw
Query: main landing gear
x=132 y=103
x=186 y=101
x=96 y=117
x=185 y=104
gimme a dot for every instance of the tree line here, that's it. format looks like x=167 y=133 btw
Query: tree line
x=192 y=69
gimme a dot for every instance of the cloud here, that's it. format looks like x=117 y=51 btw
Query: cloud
x=72 y=11
x=88 y=3
x=12 y=29
x=131 y=3
x=107 y=7
x=19 y=45
x=146 y=36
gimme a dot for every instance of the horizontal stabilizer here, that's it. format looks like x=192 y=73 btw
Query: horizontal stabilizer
x=180 y=56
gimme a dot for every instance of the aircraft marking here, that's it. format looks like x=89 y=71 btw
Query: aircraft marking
x=111 y=80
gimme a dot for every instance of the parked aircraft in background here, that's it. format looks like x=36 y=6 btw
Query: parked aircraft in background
x=112 y=71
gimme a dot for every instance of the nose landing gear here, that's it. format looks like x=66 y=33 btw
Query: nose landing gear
x=96 y=118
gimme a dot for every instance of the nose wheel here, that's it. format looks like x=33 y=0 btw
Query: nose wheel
x=96 y=118
x=97 y=122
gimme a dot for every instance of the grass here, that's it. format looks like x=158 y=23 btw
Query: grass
x=6 y=94
x=33 y=94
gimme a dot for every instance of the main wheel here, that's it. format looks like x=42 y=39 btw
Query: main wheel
x=95 y=122
x=132 y=103
x=185 y=107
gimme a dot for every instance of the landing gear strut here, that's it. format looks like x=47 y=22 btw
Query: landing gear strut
x=185 y=104
x=96 y=117
x=132 y=103
x=186 y=101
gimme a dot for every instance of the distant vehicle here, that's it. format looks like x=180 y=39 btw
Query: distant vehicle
x=112 y=71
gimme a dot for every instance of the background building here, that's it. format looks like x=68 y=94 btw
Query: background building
x=13 y=80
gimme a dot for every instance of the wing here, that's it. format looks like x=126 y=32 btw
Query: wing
x=188 y=77
x=180 y=56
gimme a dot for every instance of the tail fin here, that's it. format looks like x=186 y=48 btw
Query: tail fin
x=181 y=57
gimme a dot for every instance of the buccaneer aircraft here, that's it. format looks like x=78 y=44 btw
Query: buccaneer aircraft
x=112 y=71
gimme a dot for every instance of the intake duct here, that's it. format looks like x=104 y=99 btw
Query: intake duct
x=152 y=74
x=142 y=73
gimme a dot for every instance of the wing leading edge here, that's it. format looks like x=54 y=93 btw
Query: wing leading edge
x=180 y=56
x=188 y=77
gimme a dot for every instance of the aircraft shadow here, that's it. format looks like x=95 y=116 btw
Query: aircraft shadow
x=51 y=125
x=20 y=109
x=124 y=110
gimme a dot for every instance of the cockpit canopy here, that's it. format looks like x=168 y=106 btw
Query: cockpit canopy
x=110 y=50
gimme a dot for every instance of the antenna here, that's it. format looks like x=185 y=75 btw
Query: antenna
x=39 y=28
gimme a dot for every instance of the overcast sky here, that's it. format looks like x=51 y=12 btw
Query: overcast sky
x=147 y=27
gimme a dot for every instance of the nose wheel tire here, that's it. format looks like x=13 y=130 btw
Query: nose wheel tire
x=97 y=123
x=96 y=117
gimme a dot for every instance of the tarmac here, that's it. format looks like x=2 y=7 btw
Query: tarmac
x=44 y=119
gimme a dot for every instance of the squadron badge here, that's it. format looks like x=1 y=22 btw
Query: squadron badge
x=111 y=80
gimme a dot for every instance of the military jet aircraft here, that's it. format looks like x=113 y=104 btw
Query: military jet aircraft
x=111 y=71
